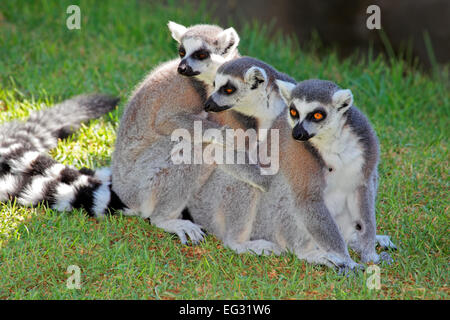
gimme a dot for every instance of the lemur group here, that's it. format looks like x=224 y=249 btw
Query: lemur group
x=318 y=204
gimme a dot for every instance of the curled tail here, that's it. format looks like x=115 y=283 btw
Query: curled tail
x=41 y=131
x=38 y=178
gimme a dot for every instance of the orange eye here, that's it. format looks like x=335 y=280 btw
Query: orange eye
x=293 y=112
x=228 y=88
x=201 y=54
x=318 y=116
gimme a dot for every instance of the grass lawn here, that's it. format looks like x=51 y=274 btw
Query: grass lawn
x=42 y=62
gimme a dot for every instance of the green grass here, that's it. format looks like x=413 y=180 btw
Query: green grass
x=41 y=61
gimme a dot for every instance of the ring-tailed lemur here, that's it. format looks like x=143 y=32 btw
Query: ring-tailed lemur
x=324 y=115
x=171 y=97
x=30 y=176
x=292 y=214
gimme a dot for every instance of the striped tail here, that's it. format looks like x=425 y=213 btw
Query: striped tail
x=43 y=128
x=37 y=178
x=30 y=176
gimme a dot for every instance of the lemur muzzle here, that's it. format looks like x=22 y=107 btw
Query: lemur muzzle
x=212 y=106
x=299 y=133
x=185 y=70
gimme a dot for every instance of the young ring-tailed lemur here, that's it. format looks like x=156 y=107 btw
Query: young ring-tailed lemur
x=171 y=97
x=292 y=214
x=324 y=115
x=30 y=176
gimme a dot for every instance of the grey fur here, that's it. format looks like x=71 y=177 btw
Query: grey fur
x=315 y=90
x=205 y=32
x=208 y=34
x=238 y=69
x=360 y=125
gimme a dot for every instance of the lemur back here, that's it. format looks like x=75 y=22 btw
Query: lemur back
x=147 y=120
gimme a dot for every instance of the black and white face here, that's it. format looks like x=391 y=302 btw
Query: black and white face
x=307 y=119
x=245 y=94
x=202 y=58
x=198 y=58
x=313 y=118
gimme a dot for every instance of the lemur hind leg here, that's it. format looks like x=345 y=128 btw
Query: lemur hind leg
x=168 y=193
x=362 y=208
x=226 y=207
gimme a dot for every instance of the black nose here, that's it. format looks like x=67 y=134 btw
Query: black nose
x=299 y=133
x=212 y=106
x=184 y=69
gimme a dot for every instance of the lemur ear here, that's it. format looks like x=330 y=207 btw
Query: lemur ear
x=255 y=76
x=343 y=99
x=177 y=30
x=228 y=41
x=285 y=88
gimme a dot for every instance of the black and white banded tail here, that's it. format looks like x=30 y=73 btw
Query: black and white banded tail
x=30 y=176
x=41 y=131
x=40 y=179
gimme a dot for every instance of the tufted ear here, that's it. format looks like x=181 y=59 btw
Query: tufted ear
x=227 y=41
x=177 y=30
x=255 y=76
x=285 y=88
x=343 y=99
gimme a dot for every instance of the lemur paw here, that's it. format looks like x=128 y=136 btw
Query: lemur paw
x=386 y=257
x=377 y=258
x=385 y=242
x=183 y=229
x=346 y=269
x=344 y=265
x=193 y=231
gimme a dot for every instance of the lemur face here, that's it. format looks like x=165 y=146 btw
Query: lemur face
x=203 y=49
x=239 y=93
x=195 y=57
x=314 y=118
x=307 y=119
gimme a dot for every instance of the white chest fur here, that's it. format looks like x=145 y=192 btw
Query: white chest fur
x=344 y=157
